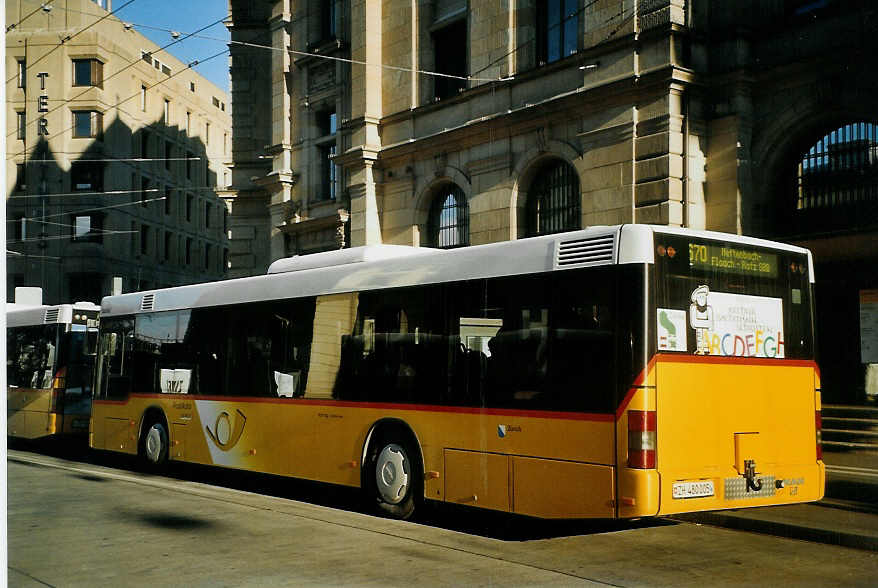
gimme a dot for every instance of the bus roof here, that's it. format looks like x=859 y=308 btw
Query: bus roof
x=377 y=267
x=18 y=315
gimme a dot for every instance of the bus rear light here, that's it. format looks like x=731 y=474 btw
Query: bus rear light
x=818 y=427
x=59 y=383
x=641 y=439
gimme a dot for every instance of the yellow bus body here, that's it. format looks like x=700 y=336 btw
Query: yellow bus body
x=27 y=412
x=712 y=414
x=28 y=415
x=710 y=432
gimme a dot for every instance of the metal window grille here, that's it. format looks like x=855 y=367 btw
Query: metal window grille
x=553 y=205
x=840 y=171
x=449 y=219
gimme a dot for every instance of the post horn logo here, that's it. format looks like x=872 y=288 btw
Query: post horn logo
x=226 y=434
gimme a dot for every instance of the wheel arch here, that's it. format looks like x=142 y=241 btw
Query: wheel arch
x=153 y=413
x=390 y=425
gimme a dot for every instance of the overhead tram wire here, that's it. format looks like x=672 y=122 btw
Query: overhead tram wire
x=107 y=193
x=61 y=237
x=190 y=65
x=123 y=101
x=319 y=56
x=114 y=74
x=98 y=208
x=563 y=21
x=41 y=218
x=70 y=37
x=30 y=14
x=110 y=193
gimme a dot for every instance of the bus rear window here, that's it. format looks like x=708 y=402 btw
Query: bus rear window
x=728 y=299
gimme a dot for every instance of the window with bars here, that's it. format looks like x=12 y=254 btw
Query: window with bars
x=328 y=173
x=448 y=224
x=553 y=203
x=840 y=170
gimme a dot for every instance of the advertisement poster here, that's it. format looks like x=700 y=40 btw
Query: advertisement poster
x=729 y=325
x=736 y=324
x=869 y=326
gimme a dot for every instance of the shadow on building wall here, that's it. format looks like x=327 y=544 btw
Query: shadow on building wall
x=139 y=204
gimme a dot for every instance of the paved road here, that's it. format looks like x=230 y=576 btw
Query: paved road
x=83 y=524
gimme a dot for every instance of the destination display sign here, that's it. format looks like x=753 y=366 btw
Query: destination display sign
x=734 y=260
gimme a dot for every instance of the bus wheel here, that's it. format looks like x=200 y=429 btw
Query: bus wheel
x=154 y=445
x=394 y=476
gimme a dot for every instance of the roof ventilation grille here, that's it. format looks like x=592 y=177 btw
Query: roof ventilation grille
x=584 y=252
x=52 y=315
x=147 y=302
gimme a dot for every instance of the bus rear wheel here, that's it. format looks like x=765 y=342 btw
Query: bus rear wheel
x=154 y=445
x=393 y=476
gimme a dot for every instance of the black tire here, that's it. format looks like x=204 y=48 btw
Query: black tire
x=394 y=477
x=154 y=445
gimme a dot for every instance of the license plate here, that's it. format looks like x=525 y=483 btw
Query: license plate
x=698 y=489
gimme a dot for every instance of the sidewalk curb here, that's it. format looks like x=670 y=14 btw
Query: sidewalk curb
x=743 y=523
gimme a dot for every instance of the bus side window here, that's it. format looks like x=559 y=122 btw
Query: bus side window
x=291 y=335
x=582 y=366
x=202 y=350
x=29 y=352
x=114 y=365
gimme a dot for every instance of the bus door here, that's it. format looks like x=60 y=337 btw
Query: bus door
x=75 y=375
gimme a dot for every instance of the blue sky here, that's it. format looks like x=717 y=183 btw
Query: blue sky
x=185 y=16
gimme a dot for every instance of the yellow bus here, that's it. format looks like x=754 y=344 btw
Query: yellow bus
x=49 y=369
x=612 y=372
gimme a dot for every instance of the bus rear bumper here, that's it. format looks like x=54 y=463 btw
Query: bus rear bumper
x=782 y=485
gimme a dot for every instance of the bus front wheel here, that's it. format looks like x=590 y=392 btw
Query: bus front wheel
x=154 y=445
x=393 y=478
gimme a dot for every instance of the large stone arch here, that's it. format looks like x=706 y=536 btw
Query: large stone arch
x=840 y=252
x=529 y=164
x=426 y=193
x=785 y=137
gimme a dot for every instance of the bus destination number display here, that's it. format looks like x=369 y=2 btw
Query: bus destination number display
x=734 y=260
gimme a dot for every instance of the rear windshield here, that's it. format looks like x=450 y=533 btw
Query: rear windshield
x=727 y=299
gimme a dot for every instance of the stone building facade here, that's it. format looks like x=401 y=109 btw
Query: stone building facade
x=754 y=117
x=115 y=153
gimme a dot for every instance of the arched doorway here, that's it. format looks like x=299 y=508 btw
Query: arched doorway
x=828 y=202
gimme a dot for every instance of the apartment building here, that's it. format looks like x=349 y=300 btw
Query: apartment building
x=117 y=153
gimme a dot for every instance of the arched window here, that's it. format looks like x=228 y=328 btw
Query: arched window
x=449 y=219
x=837 y=179
x=553 y=202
